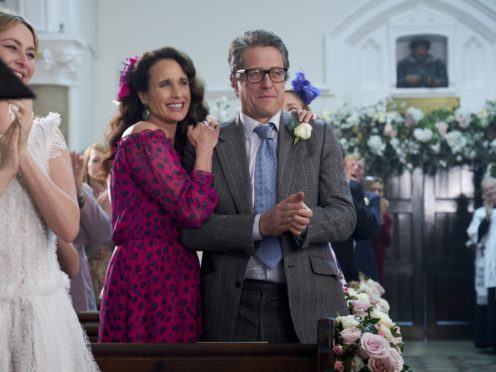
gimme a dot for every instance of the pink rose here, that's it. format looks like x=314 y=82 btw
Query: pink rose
x=350 y=335
x=389 y=130
x=339 y=366
x=374 y=299
x=442 y=128
x=338 y=350
x=379 y=365
x=395 y=360
x=360 y=307
x=384 y=331
x=374 y=346
x=379 y=288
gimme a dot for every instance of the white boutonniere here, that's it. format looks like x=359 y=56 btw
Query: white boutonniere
x=300 y=131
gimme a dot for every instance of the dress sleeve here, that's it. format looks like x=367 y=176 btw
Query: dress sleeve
x=156 y=169
x=473 y=229
x=95 y=223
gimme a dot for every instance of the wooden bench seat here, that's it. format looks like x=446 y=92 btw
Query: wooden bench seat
x=212 y=356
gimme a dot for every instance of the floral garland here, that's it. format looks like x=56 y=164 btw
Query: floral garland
x=392 y=142
x=367 y=340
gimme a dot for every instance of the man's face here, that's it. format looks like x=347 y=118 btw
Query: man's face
x=354 y=169
x=489 y=193
x=262 y=100
x=420 y=52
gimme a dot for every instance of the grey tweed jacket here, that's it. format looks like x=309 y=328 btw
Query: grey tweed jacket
x=314 y=166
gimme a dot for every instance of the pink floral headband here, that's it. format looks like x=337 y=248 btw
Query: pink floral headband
x=124 y=77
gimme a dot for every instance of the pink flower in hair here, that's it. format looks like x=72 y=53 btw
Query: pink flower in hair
x=124 y=77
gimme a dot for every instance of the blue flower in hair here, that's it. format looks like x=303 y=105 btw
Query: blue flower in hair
x=305 y=90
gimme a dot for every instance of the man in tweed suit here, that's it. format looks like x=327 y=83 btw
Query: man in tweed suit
x=243 y=299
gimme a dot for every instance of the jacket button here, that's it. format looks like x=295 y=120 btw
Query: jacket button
x=238 y=283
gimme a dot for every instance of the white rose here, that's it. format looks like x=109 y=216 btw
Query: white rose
x=375 y=144
x=384 y=318
x=303 y=131
x=442 y=127
x=380 y=117
x=383 y=305
x=348 y=321
x=422 y=135
x=352 y=292
x=456 y=141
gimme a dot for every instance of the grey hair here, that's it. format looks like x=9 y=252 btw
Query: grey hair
x=254 y=38
x=488 y=181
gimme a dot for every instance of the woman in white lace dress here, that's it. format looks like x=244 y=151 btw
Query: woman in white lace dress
x=39 y=330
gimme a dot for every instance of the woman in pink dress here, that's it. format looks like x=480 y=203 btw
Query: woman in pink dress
x=152 y=289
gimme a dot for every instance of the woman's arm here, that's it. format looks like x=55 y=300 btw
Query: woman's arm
x=68 y=258
x=9 y=156
x=96 y=224
x=55 y=195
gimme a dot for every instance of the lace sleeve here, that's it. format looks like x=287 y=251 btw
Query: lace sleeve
x=58 y=144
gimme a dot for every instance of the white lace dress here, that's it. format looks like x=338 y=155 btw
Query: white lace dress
x=39 y=330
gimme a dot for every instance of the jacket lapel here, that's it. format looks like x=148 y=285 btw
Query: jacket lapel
x=286 y=157
x=231 y=150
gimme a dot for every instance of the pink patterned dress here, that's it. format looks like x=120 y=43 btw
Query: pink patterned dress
x=152 y=288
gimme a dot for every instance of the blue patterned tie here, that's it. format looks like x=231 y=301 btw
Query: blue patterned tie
x=269 y=249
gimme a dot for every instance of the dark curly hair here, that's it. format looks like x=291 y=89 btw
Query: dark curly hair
x=131 y=108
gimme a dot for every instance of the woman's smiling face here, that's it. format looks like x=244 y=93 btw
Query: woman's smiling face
x=18 y=51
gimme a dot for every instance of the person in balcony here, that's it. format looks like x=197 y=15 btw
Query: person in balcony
x=420 y=69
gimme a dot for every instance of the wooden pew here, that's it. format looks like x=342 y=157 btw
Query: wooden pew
x=89 y=320
x=213 y=356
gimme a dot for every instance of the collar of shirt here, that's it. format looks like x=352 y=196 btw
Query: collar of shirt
x=249 y=124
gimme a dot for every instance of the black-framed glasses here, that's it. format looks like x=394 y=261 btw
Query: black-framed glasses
x=256 y=75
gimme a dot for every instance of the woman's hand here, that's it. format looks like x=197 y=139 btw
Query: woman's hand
x=304 y=116
x=9 y=150
x=204 y=135
x=78 y=170
x=22 y=110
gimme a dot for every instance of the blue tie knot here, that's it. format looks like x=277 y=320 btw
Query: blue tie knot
x=264 y=131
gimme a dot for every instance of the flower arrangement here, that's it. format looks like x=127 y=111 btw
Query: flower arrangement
x=367 y=340
x=392 y=142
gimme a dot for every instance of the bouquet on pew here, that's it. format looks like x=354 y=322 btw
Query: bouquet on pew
x=367 y=340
